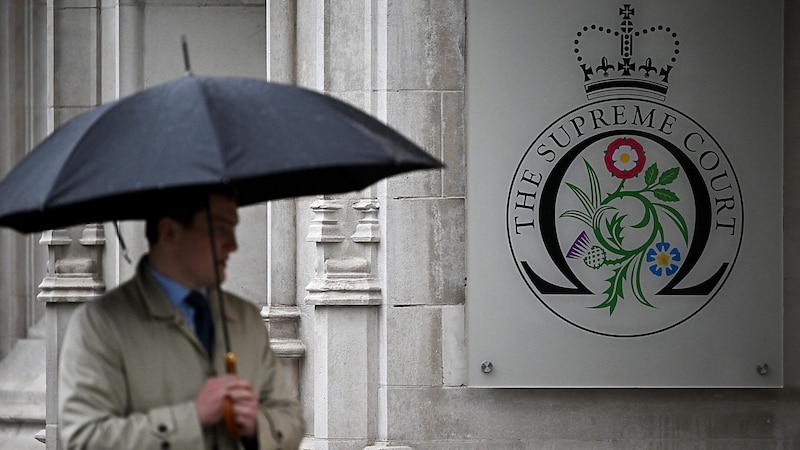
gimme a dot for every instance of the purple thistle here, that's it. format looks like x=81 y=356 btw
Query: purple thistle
x=578 y=248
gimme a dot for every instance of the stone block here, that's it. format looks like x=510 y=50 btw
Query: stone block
x=357 y=99
x=346 y=46
x=63 y=115
x=420 y=415
x=247 y=268
x=309 y=45
x=306 y=251
x=426 y=44
x=57 y=316
x=387 y=447
x=454 y=176
x=281 y=252
x=202 y=3
x=281 y=44
x=112 y=32
x=339 y=444
x=414 y=346
x=71 y=4
x=592 y=418
x=418 y=116
x=345 y=372
x=75 y=57
x=426 y=262
x=454 y=346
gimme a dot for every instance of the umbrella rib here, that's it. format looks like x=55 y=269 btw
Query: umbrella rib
x=207 y=110
x=101 y=112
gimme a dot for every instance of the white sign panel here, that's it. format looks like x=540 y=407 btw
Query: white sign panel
x=624 y=202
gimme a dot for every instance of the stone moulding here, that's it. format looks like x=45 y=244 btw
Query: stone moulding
x=324 y=226
x=283 y=321
x=345 y=282
x=72 y=278
x=368 y=229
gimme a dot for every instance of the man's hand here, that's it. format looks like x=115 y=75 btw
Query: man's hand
x=211 y=397
x=245 y=408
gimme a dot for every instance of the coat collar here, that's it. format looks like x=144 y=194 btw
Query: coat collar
x=155 y=300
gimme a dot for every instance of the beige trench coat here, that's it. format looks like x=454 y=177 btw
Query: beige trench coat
x=131 y=366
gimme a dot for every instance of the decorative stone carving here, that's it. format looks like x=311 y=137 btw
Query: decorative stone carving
x=72 y=278
x=283 y=322
x=344 y=282
x=343 y=279
x=324 y=226
x=368 y=228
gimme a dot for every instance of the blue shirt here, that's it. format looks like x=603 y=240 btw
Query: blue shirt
x=176 y=293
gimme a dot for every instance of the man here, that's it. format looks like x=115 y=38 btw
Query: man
x=134 y=374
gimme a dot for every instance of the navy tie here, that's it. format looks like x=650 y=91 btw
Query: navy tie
x=203 y=325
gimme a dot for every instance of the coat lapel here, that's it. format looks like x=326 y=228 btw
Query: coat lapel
x=158 y=306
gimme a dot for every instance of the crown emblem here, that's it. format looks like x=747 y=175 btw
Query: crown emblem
x=626 y=60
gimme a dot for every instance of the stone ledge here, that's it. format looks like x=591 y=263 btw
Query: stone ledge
x=22 y=413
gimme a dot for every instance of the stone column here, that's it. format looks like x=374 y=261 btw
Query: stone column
x=282 y=313
x=72 y=278
x=12 y=292
x=346 y=295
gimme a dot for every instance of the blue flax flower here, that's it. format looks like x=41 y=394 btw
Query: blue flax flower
x=664 y=259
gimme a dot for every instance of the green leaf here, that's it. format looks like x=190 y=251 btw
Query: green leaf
x=614 y=291
x=677 y=219
x=614 y=228
x=594 y=185
x=651 y=174
x=665 y=195
x=636 y=281
x=646 y=216
x=669 y=176
x=598 y=215
x=580 y=215
x=584 y=199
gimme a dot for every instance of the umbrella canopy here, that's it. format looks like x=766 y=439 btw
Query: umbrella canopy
x=266 y=140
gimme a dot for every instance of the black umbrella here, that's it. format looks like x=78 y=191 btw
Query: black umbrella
x=266 y=140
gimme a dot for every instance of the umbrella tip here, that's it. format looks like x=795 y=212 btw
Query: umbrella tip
x=185 y=47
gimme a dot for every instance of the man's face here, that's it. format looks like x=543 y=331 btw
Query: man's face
x=193 y=245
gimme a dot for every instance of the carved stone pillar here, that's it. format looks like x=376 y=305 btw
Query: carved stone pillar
x=72 y=278
x=346 y=295
x=282 y=313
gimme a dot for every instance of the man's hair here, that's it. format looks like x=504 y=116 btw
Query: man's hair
x=181 y=208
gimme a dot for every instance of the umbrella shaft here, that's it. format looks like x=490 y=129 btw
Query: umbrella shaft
x=220 y=294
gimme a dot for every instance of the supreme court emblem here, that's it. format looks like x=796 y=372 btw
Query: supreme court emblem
x=624 y=216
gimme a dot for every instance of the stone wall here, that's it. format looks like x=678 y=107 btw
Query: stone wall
x=418 y=67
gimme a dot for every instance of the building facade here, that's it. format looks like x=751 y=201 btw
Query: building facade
x=364 y=293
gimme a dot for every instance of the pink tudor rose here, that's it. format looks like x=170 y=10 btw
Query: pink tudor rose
x=625 y=158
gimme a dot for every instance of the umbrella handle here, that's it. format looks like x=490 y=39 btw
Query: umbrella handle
x=227 y=406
